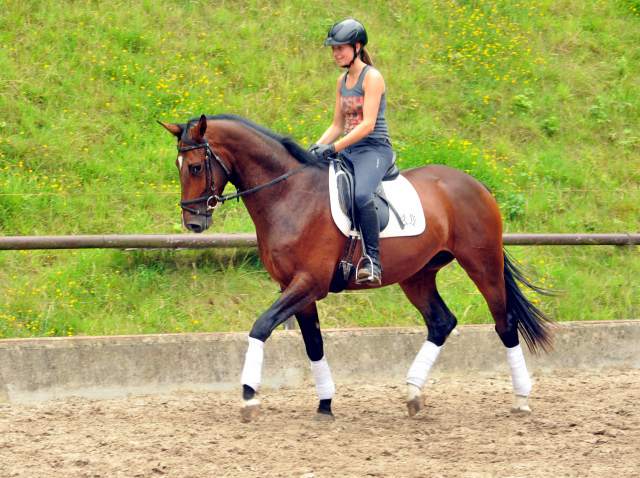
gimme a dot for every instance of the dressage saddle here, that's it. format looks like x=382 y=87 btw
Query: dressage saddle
x=346 y=192
x=346 y=195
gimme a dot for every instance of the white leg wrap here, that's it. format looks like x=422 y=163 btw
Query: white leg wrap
x=421 y=366
x=519 y=374
x=322 y=375
x=252 y=371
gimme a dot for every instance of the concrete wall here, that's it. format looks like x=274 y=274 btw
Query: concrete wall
x=102 y=367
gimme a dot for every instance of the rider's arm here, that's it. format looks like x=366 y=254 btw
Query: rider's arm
x=373 y=86
x=337 y=127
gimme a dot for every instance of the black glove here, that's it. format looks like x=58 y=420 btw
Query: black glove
x=323 y=151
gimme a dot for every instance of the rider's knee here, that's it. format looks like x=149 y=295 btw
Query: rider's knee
x=361 y=202
x=362 y=198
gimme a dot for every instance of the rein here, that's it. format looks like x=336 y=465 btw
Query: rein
x=211 y=182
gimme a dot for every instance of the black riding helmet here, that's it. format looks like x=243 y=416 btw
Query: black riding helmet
x=347 y=32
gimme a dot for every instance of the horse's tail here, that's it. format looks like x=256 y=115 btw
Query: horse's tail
x=534 y=326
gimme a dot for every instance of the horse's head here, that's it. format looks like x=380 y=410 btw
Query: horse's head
x=202 y=174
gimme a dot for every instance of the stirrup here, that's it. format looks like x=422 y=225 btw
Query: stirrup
x=371 y=279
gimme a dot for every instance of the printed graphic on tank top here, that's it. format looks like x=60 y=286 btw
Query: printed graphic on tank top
x=352 y=100
x=352 y=109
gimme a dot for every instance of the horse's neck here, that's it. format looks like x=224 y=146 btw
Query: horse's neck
x=258 y=160
x=255 y=160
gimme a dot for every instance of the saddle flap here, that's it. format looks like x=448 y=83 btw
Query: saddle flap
x=344 y=192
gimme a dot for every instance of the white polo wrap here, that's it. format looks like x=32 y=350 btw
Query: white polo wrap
x=421 y=366
x=519 y=374
x=322 y=375
x=252 y=371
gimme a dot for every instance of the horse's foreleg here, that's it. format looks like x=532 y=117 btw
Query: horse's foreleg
x=418 y=374
x=422 y=292
x=295 y=297
x=310 y=328
x=251 y=378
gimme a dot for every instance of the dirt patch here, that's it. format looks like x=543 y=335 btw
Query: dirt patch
x=584 y=424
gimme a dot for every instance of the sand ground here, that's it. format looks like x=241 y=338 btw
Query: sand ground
x=584 y=424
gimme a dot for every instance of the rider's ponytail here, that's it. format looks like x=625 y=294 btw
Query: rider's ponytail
x=365 y=57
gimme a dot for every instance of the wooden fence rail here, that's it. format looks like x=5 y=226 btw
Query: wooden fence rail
x=248 y=240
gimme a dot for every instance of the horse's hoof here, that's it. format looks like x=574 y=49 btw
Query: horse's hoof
x=520 y=406
x=250 y=410
x=415 y=399
x=415 y=405
x=324 y=417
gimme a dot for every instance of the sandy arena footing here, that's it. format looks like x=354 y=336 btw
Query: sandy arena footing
x=584 y=424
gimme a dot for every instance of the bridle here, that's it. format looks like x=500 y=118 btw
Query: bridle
x=211 y=182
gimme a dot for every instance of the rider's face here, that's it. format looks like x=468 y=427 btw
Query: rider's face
x=343 y=54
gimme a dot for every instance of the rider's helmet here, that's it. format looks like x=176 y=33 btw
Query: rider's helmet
x=347 y=32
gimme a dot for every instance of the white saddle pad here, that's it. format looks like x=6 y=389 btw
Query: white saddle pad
x=400 y=192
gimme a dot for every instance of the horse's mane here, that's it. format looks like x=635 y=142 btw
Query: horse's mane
x=297 y=151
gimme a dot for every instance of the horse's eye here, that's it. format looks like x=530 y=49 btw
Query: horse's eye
x=196 y=169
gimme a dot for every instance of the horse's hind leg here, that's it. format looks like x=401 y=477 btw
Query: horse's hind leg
x=488 y=273
x=422 y=292
x=310 y=328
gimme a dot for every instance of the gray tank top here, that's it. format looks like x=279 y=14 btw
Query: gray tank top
x=353 y=102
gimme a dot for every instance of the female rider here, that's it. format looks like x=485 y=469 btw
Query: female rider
x=359 y=113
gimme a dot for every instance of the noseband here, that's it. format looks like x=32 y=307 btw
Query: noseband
x=211 y=182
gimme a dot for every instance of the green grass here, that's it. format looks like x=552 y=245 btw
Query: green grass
x=539 y=100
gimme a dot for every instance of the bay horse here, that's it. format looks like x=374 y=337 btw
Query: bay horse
x=285 y=190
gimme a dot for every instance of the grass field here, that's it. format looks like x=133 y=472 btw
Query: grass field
x=537 y=99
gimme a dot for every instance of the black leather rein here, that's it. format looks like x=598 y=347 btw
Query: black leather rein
x=211 y=182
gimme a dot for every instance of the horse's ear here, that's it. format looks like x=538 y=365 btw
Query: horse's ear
x=202 y=125
x=173 y=128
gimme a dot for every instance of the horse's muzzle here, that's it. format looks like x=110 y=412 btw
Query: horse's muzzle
x=197 y=223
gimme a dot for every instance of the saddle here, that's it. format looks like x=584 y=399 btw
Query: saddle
x=346 y=195
x=346 y=191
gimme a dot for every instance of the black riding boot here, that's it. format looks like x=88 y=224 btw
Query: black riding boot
x=370 y=273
